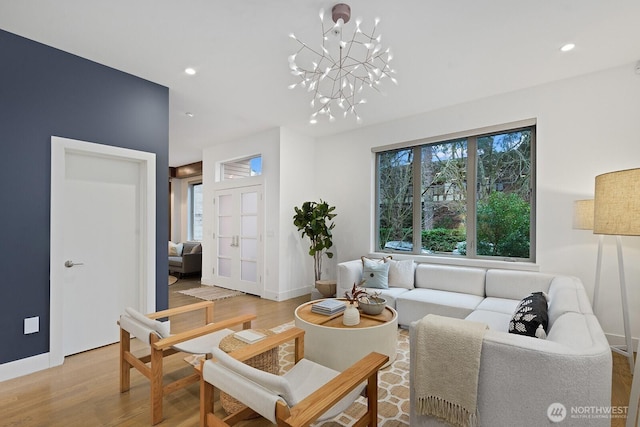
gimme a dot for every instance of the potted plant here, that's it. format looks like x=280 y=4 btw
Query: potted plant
x=351 y=316
x=313 y=220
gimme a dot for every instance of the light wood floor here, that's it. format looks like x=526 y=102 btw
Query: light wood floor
x=84 y=391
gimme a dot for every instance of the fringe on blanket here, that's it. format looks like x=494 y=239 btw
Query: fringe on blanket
x=450 y=412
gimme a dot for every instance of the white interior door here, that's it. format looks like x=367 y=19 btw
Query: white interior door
x=101 y=261
x=238 y=239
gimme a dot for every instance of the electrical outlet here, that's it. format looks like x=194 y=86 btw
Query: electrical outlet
x=31 y=325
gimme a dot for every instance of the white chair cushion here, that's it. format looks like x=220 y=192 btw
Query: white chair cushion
x=260 y=399
x=161 y=328
x=295 y=385
x=279 y=385
x=307 y=376
x=203 y=344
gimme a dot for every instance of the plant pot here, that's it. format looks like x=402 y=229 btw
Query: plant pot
x=326 y=287
x=374 y=306
x=351 y=316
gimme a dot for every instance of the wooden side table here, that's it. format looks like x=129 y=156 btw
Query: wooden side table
x=267 y=361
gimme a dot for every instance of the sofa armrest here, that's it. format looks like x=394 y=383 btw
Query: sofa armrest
x=349 y=272
x=515 y=367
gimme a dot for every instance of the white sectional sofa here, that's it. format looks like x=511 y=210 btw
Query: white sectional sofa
x=520 y=376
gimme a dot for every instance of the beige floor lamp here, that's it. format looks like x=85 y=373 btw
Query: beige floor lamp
x=617 y=212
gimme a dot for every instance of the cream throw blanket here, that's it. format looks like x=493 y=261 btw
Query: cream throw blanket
x=447 y=367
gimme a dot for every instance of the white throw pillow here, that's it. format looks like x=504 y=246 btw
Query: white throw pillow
x=175 y=249
x=401 y=273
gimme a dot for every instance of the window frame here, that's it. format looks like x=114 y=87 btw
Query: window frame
x=471 y=136
x=191 y=208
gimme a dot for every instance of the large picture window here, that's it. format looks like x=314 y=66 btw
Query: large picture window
x=469 y=196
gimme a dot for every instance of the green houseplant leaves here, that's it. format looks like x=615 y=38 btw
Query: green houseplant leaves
x=313 y=220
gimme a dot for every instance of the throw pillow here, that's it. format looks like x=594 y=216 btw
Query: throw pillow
x=175 y=249
x=384 y=259
x=375 y=274
x=196 y=249
x=531 y=317
x=401 y=273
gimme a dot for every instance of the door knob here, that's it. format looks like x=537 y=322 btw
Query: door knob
x=68 y=263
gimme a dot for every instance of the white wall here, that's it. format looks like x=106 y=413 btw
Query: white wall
x=297 y=185
x=586 y=126
x=288 y=179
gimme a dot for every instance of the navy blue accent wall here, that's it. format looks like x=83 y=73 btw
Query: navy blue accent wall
x=45 y=92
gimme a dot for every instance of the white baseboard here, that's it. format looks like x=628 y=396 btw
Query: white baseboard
x=294 y=293
x=26 y=366
x=619 y=340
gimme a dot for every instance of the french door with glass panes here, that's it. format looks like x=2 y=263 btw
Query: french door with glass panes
x=238 y=239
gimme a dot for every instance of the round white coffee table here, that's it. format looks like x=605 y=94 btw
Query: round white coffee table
x=328 y=342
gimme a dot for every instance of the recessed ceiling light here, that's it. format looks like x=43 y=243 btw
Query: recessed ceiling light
x=190 y=71
x=567 y=47
x=189 y=114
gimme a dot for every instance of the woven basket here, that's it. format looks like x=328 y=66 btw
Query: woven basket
x=267 y=361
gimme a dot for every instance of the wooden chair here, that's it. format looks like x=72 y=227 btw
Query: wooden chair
x=308 y=392
x=161 y=343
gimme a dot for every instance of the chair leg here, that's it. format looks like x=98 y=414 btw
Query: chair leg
x=156 y=386
x=372 y=399
x=125 y=367
x=206 y=400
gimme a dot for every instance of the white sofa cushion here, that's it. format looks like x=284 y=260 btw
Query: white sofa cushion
x=496 y=321
x=516 y=285
x=467 y=280
x=391 y=294
x=499 y=305
x=417 y=303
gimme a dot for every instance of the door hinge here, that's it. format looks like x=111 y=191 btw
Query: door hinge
x=213 y=270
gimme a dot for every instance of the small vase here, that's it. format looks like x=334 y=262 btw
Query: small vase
x=351 y=316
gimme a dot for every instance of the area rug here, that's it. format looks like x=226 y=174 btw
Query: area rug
x=172 y=280
x=393 y=386
x=210 y=293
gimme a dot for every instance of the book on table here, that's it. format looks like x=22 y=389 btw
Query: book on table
x=328 y=307
x=249 y=336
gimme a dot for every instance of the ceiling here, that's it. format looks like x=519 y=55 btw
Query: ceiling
x=445 y=52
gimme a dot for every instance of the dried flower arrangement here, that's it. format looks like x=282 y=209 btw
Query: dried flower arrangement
x=355 y=293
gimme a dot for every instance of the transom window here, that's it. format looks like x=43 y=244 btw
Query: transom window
x=470 y=196
x=242 y=168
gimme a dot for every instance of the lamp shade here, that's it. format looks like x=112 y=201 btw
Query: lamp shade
x=617 y=203
x=583 y=214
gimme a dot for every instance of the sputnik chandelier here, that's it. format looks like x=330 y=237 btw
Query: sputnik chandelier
x=337 y=73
